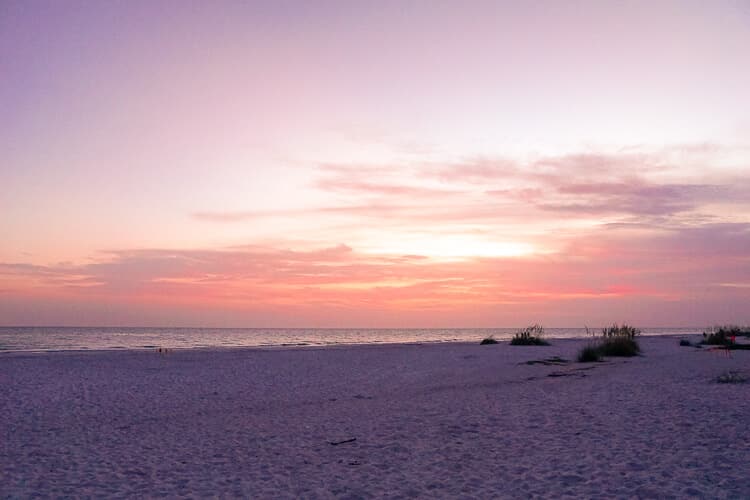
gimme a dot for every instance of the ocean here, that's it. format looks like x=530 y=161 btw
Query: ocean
x=32 y=339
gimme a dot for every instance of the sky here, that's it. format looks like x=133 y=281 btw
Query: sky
x=374 y=164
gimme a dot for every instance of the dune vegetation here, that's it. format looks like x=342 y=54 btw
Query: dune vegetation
x=615 y=340
x=531 y=335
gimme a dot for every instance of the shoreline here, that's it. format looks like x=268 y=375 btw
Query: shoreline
x=307 y=346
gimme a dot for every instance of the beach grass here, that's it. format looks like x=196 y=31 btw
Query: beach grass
x=614 y=341
x=531 y=335
x=619 y=340
x=619 y=346
x=589 y=354
x=724 y=335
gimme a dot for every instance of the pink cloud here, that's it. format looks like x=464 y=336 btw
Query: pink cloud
x=682 y=266
x=483 y=190
x=371 y=188
x=656 y=243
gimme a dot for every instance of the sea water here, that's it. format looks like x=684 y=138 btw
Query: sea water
x=105 y=338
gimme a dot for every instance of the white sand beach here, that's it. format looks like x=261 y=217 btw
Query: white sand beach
x=396 y=421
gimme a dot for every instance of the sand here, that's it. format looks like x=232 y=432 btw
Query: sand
x=440 y=420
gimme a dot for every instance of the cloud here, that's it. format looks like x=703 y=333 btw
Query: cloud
x=235 y=216
x=622 y=198
x=626 y=187
x=473 y=170
x=620 y=231
x=370 y=188
x=677 y=265
x=366 y=210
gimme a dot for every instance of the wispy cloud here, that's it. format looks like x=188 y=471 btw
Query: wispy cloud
x=346 y=184
x=236 y=216
x=624 y=186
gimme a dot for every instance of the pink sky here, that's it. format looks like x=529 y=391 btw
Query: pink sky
x=374 y=164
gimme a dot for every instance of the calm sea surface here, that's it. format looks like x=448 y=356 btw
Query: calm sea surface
x=98 y=338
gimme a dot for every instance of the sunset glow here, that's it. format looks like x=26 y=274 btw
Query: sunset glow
x=374 y=164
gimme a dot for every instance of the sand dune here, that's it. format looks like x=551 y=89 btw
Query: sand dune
x=448 y=420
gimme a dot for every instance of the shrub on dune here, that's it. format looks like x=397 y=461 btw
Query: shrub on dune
x=488 y=340
x=724 y=335
x=531 y=335
x=716 y=338
x=617 y=340
x=589 y=354
x=619 y=347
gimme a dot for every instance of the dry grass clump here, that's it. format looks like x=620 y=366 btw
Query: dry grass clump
x=718 y=337
x=733 y=330
x=724 y=335
x=619 y=340
x=616 y=340
x=531 y=335
x=589 y=354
